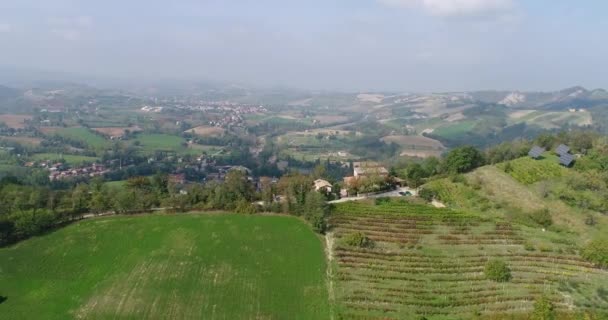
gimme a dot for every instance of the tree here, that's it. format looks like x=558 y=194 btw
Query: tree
x=315 y=210
x=415 y=174
x=463 y=159
x=498 y=271
x=543 y=310
x=80 y=198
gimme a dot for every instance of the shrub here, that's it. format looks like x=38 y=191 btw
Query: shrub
x=590 y=220
x=543 y=310
x=542 y=217
x=427 y=194
x=498 y=271
x=358 y=239
x=245 y=207
x=529 y=247
x=382 y=200
x=596 y=251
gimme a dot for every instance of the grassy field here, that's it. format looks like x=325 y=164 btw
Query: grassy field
x=168 y=267
x=528 y=171
x=429 y=262
x=69 y=158
x=83 y=134
x=149 y=143
x=454 y=130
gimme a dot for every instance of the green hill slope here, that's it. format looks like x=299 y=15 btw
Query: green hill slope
x=168 y=267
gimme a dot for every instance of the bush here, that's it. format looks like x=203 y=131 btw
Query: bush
x=596 y=251
x=358 y=239
x=543 y=310
x=498 y=271
x=243 y=206
x=542 y=217
x=382 y=200
x=529 y=247
x=427 y=194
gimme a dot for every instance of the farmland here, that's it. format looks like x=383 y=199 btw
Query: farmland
x=429 y=262
x=149 y=143
x=15 y=121
x=115 y=131
x=30 y=141
x=453 y=130
x=168 y=267
x=68 y=158
x=84 y=135
x=417 y=146
x=207 y=131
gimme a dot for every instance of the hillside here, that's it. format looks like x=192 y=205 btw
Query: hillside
x=168 y=267
x=424 y=262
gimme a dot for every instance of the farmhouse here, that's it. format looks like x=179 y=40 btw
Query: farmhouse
x=368 y=168
x=322 y=185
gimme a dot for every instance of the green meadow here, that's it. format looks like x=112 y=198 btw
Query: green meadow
x=222 y=266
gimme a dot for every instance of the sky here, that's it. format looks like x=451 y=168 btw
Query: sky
x=353 y=45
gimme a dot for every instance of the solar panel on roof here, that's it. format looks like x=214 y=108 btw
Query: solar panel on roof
x=562 y=149
x=566 y=159
x=536 y=152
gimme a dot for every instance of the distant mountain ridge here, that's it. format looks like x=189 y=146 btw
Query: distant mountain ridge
x=573 y=97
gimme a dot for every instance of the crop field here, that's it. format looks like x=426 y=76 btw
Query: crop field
x=553 y=120
x=430 y=262
x=15 y=121
x=168 y=267
x=149 y=143
x=23 y=140
x=416 y=146
x=84 y=135
x=115 y=131
x=455 y=130
x=207 y=131
x=69 y=158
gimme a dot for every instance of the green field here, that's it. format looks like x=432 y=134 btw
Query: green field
x=528 y=171
x=455 y=130
x=150 y=143
x=69 y=158
x=83 y=134
x=168 y=267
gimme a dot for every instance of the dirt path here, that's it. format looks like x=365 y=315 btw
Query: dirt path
x=329 y=252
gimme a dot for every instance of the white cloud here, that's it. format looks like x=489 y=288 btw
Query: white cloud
x=453 y=7
x=5 y=27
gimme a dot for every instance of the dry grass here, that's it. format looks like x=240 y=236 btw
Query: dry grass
x=415 y=141
x=49 y=130
x=15 y=121
x=23 y=140
x=366 y=97
x=329 y=119
x=207 y=131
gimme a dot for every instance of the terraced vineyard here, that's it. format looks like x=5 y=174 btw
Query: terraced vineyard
x=428 y=262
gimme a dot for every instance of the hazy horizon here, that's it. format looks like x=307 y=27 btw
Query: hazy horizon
x=360 y=45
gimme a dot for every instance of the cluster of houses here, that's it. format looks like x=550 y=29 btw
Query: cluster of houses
x=58 y=172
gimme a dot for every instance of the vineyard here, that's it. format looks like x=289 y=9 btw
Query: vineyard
x=427 y=262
